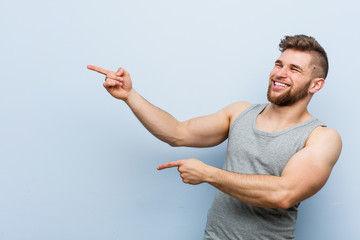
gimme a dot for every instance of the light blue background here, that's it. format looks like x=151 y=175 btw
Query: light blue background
x=76 y=164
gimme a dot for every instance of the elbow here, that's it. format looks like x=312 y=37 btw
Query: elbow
x=171 y=144
x=178 y=138
x=283 y=200
x=285 y=204
x=173 y=138
x=175 y=144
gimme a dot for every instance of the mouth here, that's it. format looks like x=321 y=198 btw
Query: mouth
x=279 y=85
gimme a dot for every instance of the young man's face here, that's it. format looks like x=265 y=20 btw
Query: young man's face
x=290 y=79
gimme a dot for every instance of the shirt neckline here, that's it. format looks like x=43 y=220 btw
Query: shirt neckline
x=274 y=134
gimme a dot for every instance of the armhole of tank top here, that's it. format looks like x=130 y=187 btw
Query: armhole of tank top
x=318 y=124
x=248 y=109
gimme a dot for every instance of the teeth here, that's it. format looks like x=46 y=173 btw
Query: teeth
x=280 y=84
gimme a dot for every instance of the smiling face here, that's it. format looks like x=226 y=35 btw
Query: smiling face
x=291 y=78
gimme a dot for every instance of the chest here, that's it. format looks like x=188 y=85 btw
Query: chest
x=251 y=152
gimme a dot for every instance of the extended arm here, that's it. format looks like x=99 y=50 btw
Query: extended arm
x=198 y=132
x=304 y=175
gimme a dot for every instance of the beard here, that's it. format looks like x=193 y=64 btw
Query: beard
x=288 y=98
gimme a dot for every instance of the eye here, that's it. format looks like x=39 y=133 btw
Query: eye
x=295 y=70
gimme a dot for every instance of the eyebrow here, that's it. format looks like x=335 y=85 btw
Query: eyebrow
x=291 y=65
x=296 y=66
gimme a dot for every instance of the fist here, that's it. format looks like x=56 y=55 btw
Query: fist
x=192 y=171
x=118 y=83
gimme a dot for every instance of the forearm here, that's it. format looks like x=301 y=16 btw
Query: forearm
x=198 y=132
x=158 y=122
x=258 y=190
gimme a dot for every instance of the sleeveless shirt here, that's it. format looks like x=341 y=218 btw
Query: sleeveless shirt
x=251 y=151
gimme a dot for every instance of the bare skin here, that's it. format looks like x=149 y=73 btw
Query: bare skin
x=304 y=174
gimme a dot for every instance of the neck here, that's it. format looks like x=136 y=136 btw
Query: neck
x=288 y=114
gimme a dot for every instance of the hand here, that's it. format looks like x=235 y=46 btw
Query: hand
x=118 y=84
x=192 y=171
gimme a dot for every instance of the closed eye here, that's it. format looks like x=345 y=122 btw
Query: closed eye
x=278 y=63
x=295 y=70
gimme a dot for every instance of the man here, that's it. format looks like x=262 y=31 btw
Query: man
x=277 y=156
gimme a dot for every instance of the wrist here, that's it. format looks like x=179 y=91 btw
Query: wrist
x=130 y=96
x=210 y=174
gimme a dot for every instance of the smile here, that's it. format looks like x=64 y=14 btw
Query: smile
x=280 y=85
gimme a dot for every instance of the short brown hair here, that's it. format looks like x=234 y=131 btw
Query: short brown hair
x=308 y=44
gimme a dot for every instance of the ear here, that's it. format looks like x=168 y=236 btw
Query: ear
x=316 y=85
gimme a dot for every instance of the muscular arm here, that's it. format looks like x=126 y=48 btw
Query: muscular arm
x=198 y=132
x=304 y=175
x=203 y=131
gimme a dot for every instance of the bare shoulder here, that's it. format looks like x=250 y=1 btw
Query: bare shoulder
x=326 y=141
x=324 y=134
x=234 y=109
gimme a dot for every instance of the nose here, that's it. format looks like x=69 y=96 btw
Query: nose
x=281 y=73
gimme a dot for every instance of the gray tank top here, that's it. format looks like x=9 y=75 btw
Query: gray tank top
x=251 y=151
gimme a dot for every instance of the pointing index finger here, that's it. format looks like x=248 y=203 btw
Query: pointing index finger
x=169 y=165
x=98 y=69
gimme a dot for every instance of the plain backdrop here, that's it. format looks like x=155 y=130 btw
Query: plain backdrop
x=76 y=164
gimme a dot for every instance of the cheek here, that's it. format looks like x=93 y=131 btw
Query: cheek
x=274 y=72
